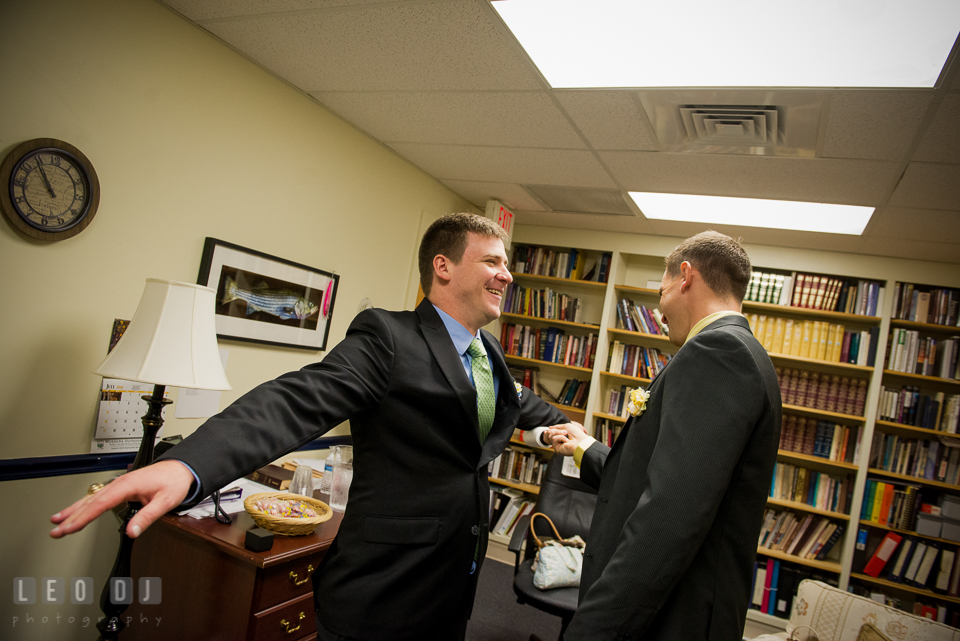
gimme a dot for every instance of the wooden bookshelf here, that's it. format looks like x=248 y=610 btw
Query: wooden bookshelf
x=554 y=280
x=610 y=417
x=525 y=487
x=827 y=566
x=835 y=416
x=803 y=507
x=628 y=334
x=915 y=479
x=913 y=431
x=823 y=366
x=804 y=312
x=635 y=380
x=523 y=319
x=934 y=380
x=907 y=532
x=927 y=328
x=904 y=587
x=535 y=361
x=818 y=461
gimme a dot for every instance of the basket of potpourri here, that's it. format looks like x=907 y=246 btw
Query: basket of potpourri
x=286 y=514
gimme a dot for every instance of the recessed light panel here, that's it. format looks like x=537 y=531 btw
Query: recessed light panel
x=815 y=43
x=755 y=212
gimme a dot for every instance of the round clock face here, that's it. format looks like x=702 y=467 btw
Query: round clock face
x=52 y=190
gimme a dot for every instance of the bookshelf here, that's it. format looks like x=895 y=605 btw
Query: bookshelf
x=873 y=311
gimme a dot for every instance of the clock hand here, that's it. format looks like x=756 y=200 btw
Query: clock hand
x=45 y=179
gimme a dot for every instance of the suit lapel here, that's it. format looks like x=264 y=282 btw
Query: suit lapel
x=438 y=340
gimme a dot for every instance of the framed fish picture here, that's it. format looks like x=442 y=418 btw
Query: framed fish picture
x=266 y=299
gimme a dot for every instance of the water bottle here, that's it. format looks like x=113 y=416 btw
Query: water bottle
x=327 y=481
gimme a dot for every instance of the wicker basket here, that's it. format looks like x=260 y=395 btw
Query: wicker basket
x=287 y=526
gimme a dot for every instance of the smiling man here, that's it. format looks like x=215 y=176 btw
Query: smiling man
x=430 y=402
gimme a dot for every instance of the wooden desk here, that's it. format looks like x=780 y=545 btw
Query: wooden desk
x=215 y=588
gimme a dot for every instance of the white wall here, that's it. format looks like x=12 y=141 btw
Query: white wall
x=189 y=140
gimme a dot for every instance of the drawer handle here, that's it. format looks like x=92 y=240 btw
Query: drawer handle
x=286 y=624
x=293 y=576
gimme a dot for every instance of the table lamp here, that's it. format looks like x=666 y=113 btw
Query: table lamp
x=172 y=340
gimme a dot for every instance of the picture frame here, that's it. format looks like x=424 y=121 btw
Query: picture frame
x=266 y=299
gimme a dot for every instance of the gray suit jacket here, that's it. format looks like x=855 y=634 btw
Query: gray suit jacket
x=681 y=497
x=400 y=565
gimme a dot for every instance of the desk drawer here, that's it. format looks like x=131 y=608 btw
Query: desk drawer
x=286 y=622
x=286 y=581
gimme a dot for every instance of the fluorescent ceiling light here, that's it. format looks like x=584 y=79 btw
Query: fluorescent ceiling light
x=815 y=43
x=754 y=212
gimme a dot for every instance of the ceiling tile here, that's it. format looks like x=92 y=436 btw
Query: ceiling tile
x=941 y=141
x=207 y=9
x=927 y=185
x=516 y=119
x=435 y=46
x=505 y=164
x=624 y=224
x=914 y=224
x=877 y=125
x=609 y=119
x=916 y=249
x=841 y=182
x=512 y=195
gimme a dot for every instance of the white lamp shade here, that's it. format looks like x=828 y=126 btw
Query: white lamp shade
x=172 y=339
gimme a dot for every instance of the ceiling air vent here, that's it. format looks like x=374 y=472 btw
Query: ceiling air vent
x=746 y=125
x=581 y=200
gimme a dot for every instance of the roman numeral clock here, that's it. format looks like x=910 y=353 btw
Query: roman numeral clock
x=50 y=190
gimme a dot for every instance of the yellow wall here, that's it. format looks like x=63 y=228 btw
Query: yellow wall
x=189 y=140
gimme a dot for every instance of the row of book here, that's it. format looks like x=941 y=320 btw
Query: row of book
x=606 y=431
x=890 y=504
x=550 y=344
x=809 y=536
x=617 y=400
x=833 y=294
x=919 y=458
x=821 y=438
x=908 y=352
x=819 y=340
x=635 y=360
x=909 y=406
x=775 y=585
x=936 y=305
x=828 y=392
x=922 y=606
x=574 y=393
x=507 y=506
x=816 y=489
x=768 y=287
x=637 y=318
x=572 y=263
x=518 y=465
x=542 y=303
x=920 y=563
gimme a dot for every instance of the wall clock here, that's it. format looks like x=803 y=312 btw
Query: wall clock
x=50 y=190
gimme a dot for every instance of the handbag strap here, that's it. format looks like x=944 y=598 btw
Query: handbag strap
x=539 y=543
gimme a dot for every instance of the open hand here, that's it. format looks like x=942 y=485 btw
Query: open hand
x=159 y=488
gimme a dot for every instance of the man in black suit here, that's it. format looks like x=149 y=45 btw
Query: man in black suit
x=404 y=563
x=681 y=493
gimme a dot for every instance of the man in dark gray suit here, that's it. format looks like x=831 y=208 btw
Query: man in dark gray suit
x=683 y=489
x=404 y=563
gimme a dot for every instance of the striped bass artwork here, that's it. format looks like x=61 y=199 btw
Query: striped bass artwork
x=282 y=303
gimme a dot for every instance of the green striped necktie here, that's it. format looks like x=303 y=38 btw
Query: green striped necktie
x=483 y=381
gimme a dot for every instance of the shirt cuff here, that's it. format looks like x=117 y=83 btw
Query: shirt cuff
x=581 y=448
x=194 y=489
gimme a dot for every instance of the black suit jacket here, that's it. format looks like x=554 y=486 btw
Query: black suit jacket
x=681 y=497
x=418 y=509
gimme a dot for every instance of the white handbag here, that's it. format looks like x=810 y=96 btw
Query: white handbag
x=559 y=562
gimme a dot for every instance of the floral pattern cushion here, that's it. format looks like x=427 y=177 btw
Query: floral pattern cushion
x=835 y=615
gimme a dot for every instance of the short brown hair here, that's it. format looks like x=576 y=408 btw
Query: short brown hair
x=448 y=236
x=720 y=259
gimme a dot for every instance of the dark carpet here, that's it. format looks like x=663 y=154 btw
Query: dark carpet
x=498 y=617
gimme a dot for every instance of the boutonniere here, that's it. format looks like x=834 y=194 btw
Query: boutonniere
x=519 y=390
x=638 y=402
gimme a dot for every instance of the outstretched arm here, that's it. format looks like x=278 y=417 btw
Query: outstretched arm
x=159 y=487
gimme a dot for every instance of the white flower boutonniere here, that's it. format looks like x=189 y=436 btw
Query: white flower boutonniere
x=638 y=402
x=519 y=390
